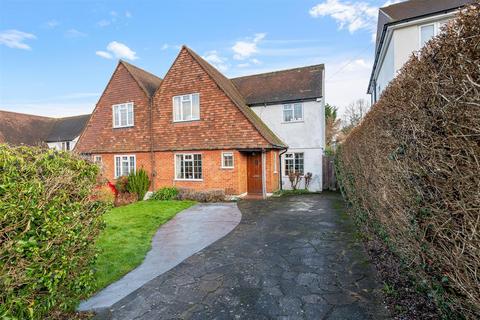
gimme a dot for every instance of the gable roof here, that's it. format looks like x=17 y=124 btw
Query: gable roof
x=227 y=86
x=19 y=128
x=146 y=80
x=304 y=83
x=66 y=129
x=408 y=11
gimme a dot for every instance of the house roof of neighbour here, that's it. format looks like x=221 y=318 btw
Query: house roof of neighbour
x=303 y=83
x=19 y=128
x=227 y=86
x=146 y=80
x=67 y=129
x=408 y=11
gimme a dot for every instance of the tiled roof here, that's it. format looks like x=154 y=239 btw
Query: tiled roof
x=147 y=81
x=19 y=128
x=227 y=86
x=66 y=129
x=303 y=83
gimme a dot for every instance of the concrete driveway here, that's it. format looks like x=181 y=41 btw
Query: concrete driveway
x=289 y=258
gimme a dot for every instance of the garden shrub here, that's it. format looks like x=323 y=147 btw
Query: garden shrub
x=138 y=183
x=48 y=223
x=411 y=168
x=125 y=198
x=166 y=193
x=121 y=184
x=105 y=194
x=212 y=195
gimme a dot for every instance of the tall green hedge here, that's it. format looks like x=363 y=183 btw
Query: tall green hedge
x=48 y=223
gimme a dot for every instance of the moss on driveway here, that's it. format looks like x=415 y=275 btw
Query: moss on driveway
x=127 y=237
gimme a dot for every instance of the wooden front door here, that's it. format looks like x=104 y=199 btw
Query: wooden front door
x=254 y=173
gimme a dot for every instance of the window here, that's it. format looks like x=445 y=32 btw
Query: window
x=427 y=32
x=227 y=159
x=66 y=145
x=124 y=165
x=186 y=107
x=293 y=163
x=123 y=115
x=292 y=112
x=188 y=166
x=274 y=162
x=97 y=159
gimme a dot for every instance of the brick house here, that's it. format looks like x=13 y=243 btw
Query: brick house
x=192 y=129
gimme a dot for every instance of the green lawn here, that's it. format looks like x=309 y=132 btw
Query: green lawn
x=127 y=237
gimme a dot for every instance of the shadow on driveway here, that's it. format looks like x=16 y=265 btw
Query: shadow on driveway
x=290 y=258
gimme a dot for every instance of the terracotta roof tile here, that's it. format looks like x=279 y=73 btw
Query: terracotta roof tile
x=147 y=81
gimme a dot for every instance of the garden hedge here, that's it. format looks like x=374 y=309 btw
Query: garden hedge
x=411 y=169
x=48 y=222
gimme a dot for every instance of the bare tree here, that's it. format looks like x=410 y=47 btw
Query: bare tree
x=354 y=113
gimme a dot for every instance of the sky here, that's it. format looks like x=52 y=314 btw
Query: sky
x=56 y=57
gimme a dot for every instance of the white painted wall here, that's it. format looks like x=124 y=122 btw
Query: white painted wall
x=307 y=136
x=404 y=41
x=58 y=145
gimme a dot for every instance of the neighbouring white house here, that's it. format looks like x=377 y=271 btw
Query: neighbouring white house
x=402 y=29
x=26 y=129
x=295 y=113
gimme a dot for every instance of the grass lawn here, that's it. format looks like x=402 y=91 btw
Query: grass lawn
x=127 y=237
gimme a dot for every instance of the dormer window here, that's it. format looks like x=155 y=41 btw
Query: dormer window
x=123 y=115
x=186 y=107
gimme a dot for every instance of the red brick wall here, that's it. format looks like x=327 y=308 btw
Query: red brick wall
x=221 y=124
x=100 y=136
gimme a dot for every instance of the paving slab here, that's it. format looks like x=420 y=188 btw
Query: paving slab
x=292 y=257
x=185 y=234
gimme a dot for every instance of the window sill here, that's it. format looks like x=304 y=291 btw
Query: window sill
x=187 y=179
x=123 y=127
x=183 y=121
x=296 y=121
x=227 y=168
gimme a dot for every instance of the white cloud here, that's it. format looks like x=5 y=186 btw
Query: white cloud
x=353 y=15
x=104 y=54
x=117 y=50
x=255 y=61
x=52 y=24
x=16 y=39
x=113 y=13
x=245 y=48
x=74 y=33
x=390 y=2
x=166 y=46
x=128 y=14
x=243 y=65
x=215 y=59
x=103 y=23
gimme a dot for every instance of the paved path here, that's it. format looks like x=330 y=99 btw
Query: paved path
x=187 y=233
x=289 y=258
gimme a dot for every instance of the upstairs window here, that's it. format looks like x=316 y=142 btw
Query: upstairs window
x=123 y=115
x=188 y=166
x=124 y=164
x=294 y=162
x=227 y=160
x=66 y=145
x=427 y=32
x=186 y=107
x=293 y=112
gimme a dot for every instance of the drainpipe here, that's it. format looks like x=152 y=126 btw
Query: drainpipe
x=280 y=168
x=152 y=154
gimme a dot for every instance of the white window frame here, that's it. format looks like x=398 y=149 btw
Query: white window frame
x=437 y=25
x=223 y=160
x=181 y=97
x=176 y=167
x=129 y=156
x=294 y=161
x=292 y=108
x=97 y=159
x=126 y=105
x=65 y=145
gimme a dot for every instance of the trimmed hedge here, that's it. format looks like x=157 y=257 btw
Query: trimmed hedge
x=411 y=169
x=49 y=220
x=165 y=193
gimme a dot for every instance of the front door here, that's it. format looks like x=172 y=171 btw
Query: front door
x=254 y=173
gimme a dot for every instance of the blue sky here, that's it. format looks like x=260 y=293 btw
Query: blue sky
x=57 y=56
